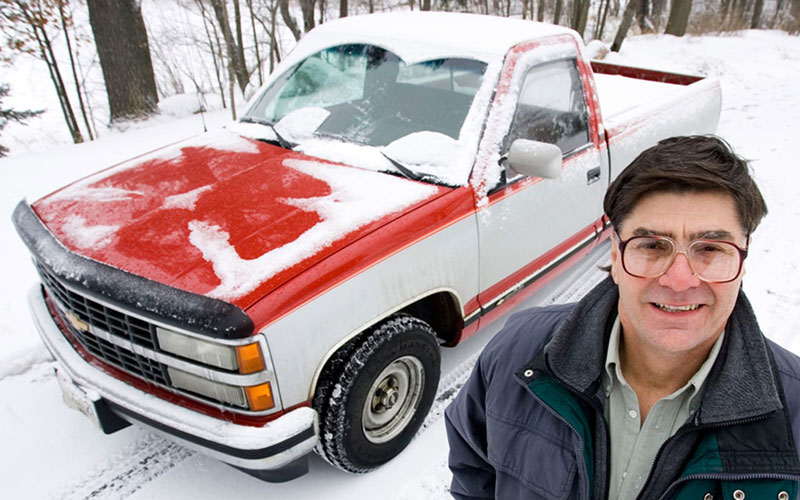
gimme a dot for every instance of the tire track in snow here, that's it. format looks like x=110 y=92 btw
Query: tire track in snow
x=128 y=470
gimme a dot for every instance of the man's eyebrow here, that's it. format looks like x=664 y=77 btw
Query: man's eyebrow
x=718 y=234
x=711 y=234
x=643 y=231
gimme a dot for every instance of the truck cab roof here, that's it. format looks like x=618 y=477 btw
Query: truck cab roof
x=421 y=36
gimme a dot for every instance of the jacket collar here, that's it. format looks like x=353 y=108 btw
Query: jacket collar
x=741 y=384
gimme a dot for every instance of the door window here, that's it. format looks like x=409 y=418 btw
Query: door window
x=551 y=108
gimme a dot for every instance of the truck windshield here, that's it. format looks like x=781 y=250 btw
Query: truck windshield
x=371 y=96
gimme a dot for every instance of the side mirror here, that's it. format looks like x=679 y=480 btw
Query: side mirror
x=535 y=159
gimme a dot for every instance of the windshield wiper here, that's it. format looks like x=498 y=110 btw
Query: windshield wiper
x=279 y=139
x=414 y=176
x=407 y=172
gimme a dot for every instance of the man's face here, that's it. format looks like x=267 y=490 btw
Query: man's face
x=653 y=311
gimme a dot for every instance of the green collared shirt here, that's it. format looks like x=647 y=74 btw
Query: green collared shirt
x=634 y=446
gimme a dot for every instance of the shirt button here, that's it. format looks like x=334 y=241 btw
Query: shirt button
x=632 y=414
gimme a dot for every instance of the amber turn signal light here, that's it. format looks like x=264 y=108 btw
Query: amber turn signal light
x=249 y=358
x=259 y=397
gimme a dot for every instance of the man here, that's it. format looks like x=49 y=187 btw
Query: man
x=659 y=383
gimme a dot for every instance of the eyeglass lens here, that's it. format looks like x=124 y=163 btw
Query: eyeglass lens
x=650 y=257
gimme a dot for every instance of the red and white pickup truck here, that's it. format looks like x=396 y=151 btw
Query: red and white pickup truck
x=286 y=284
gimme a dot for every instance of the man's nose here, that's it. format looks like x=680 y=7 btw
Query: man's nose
x=679 y=276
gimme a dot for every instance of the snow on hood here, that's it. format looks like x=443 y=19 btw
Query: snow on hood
x=228 y=220
x=354 y=201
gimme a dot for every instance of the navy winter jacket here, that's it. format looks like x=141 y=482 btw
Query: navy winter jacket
x=529 y=422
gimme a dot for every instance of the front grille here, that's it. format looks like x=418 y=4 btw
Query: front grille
x=114 y=322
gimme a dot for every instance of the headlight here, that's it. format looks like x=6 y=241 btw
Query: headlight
x=231 y=388
x=254 y=398
x=244 y=358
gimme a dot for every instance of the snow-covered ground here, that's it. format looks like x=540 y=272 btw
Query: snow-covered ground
x=50 y=451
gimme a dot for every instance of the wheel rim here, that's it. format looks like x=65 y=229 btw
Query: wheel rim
x=392 y=399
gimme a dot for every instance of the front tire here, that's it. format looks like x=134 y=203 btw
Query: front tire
x=375 y=392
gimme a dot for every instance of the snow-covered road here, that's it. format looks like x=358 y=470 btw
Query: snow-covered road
x=50 y=451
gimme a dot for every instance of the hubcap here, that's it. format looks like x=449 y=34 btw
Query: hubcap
x=392 y=399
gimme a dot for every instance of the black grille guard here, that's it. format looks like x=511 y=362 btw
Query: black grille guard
x=149 y=299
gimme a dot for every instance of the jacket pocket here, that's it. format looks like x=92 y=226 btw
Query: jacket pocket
x=540 y=461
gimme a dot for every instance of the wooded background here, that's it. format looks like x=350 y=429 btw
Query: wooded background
x=110 y=61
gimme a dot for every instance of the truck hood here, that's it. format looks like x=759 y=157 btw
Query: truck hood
x=224 y=216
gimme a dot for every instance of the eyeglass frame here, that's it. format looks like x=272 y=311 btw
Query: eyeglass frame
x=621 y=244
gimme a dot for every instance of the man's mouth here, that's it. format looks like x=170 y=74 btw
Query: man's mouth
x=677 y=309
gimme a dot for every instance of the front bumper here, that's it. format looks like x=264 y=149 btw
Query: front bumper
x=280 y=444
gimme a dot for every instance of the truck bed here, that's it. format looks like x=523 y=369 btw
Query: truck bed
x=642 y=106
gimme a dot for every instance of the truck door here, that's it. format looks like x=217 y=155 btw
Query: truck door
x=527 y=226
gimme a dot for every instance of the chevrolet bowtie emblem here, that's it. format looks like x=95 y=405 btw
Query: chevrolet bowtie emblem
x=76 y=322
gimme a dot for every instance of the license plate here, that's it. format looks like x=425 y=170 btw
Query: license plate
x=76 y=398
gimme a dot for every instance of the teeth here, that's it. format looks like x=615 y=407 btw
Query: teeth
x=667 y=308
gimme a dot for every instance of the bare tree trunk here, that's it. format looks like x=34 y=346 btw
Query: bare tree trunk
x=274 y=53
x=740 y=10
x=343 y=8
x=216 y=52
x=758 y=7
x=272 y=8
x=641 y=14
x=774 y=20
x=46 y=53
x=426 y=5
x=600 y=20
x=794 y=11
x=124 y=52
x=255 y=41
x=678 y=17
x=625 y=25
x=232 y=90
x=289 y=20
x=540 y=11
x=557 y=13
x=658 y=14
x=235 y=60
x=580 y=15
x=64 y=26
x=307 y=7
x=725 y=7
x=237 y=22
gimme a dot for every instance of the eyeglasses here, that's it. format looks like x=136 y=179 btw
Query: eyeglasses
x=712 y=261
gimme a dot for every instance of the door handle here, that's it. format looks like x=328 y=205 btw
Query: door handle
x=593 y=175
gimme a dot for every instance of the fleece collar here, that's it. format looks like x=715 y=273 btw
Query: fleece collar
x=741 y=384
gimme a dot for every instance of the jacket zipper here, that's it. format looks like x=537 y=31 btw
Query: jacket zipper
x=587 y=493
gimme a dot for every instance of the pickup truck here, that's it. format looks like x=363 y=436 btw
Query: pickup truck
x=286 y=284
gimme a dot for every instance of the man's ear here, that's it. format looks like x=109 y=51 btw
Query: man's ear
x=614 y=264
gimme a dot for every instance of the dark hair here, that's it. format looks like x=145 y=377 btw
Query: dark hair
x=687 y=164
